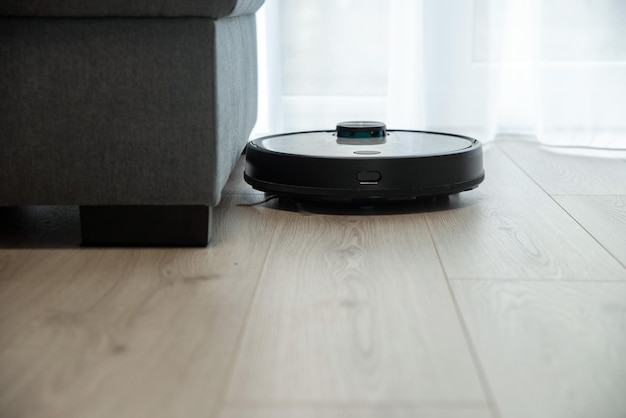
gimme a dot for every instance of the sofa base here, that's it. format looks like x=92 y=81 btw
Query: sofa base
x=173 y=226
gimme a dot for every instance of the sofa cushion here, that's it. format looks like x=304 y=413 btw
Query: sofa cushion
x=214 y=9
x=123 y=111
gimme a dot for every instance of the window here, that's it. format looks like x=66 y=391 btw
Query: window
x=554 y=69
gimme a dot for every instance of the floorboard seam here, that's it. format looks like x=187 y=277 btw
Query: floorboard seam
x=589 y=233
x=552 y=197
x=313 y=404
x=222 y=398
x=482 y=375
x=509 y=280
x=516 y=164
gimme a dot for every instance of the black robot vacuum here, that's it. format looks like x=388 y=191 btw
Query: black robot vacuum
x=364 y=161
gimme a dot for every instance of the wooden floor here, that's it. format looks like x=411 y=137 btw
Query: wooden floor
x=507 y=301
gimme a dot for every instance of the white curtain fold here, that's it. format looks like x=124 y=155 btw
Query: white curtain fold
x=552 y=70
x=405 y=106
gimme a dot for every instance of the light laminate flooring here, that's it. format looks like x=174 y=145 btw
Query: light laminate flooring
x=506 y=301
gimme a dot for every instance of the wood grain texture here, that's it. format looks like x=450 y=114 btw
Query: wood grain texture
x=353 y=309
x=509 y=228
x=313 y=310
x=604 y=217
x=354 y=412
x=550 y=349
x=127 y=332
x=558 y=171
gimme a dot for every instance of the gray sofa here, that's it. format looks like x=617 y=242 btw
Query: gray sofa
x=136 y=111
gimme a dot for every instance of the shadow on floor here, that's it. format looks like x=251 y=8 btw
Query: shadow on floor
x=39 y=227
x=362 y=208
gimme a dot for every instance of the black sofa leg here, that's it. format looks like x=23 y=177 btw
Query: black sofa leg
x=172 y=226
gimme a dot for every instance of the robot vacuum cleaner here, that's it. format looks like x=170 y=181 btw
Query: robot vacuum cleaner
x=364 y=161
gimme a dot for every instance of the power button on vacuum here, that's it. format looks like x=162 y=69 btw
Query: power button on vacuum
x=368 y=177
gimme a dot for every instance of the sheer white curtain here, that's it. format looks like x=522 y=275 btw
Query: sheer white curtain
x=554 y=70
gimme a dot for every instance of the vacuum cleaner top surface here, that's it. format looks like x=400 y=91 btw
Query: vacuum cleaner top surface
x=364 y=160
